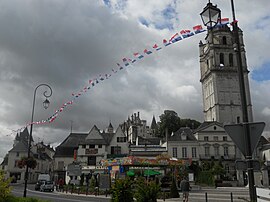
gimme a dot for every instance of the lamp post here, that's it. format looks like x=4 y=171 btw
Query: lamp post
x=45 y=105
x=209 y=17
x=252 y=189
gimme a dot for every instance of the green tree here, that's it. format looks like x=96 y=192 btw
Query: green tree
x=217 y=170
x=168 y=121
x=4 y=186
x=191 y=123
x=174 y=192
x=146 y=191
x=122 y=191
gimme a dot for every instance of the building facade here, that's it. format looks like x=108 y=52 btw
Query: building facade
x=219 y=77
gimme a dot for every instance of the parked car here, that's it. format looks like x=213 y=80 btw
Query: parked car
x=38 y=184
x=47 y=186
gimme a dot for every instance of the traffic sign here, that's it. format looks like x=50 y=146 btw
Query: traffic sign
x=237 y=133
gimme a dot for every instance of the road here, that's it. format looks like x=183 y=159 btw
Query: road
x=213 y=195
x=55 y=196
x=220 y=194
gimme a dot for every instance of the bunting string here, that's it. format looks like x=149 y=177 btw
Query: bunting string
x=137 y=56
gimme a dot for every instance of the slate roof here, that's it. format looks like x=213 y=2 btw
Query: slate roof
x=20 y=147
x=178 y=135
x=5 y=161
x=66 y=148
x=107 y=137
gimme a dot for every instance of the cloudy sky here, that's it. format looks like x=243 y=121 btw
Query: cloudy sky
x=65 y=43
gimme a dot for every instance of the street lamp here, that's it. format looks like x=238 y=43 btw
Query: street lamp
x=45 y=105
x=210 y=17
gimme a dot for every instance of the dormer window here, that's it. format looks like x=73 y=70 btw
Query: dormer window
x=184 y=136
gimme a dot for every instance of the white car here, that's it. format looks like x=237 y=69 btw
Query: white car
x=47 y=186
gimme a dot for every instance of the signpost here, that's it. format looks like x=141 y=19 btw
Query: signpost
x=237 y=133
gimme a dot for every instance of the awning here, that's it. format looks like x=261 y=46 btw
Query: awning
x=130 y=173
x=150 y=172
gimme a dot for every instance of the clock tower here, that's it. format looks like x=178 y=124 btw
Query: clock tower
x=219 y=77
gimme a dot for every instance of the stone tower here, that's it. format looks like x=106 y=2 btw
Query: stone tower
x=219 y=77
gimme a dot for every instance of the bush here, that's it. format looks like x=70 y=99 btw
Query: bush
x=11 y=198
x=122 y=191
x=146 y=192
x=174 y=191
x=206 y=177
x=4 y=186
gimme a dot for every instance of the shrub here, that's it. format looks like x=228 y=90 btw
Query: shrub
x=206 y=177
x=173 y=191
x=4 y=186
x=146 y=192
x=122 y=191
x=21 y=199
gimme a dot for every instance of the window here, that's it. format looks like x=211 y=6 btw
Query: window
x=92 y=146
x=184 y=152
x=61 y=165
x=91 y=161
x=226 y=151
x=115 y=150
x=216 y=150
x=194 y=152
x=238 y=119
x=83 y=146
x=225 y=138
x=205 y=138
x=231 y=59
x=100 y=146
x=18 y=154
x=207 y=151
x=174 y=151
x=16 y=163
x=215 y=138
x=121 y=139
x=224 y=40
x=221 y=58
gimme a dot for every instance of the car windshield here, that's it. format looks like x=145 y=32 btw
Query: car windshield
x=49 y=182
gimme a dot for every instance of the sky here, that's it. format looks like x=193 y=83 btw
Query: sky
x=66 y=43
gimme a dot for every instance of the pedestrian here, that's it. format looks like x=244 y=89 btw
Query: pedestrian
x=185 y=188
x=61 y=184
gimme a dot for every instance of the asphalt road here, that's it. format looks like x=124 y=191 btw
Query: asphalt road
x=56 y=196
x=213 y=195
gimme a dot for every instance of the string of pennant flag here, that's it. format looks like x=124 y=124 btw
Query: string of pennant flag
x=183 y=34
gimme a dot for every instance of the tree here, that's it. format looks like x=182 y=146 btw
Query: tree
x=191 y=123
x=122 y=191
x=173 y=191
x=146 y=191
x=168 y=121
x=4 y=186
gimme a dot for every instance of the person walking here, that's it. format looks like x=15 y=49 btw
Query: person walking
x=185 y=188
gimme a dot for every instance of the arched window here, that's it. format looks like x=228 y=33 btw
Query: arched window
x=231 y=59
x=224 y=40
x=221 y=58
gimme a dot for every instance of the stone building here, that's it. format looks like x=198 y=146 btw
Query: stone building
x=219 y=77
